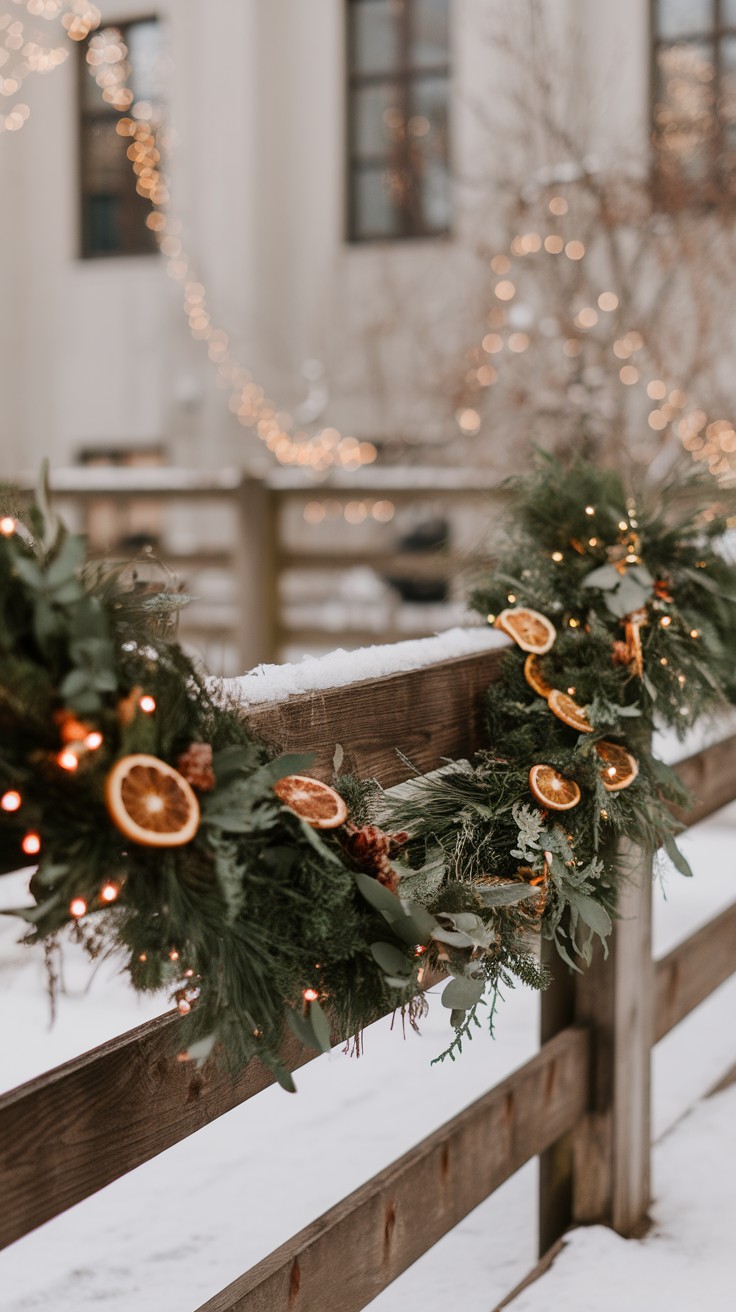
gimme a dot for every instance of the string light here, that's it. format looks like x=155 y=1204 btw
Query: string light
x=77 y=907
x=93 y=740
x=110 y=892
x=173 y=955
x=695 y=633
x=310 y=995
x=7 y=526
x=11 y=801
x=147 y=703
x=490 y=619
x=590 y=510
x=665 y=621
x=31 y=844
x=573 y=623
x=557 y=556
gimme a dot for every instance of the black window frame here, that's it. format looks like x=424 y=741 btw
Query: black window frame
x=404 y=75
x=87 y=117
x=718 y=186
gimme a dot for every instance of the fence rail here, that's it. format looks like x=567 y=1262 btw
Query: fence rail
x=249 y=532
x=582 y=1103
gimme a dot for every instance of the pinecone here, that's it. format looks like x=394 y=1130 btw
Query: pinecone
x=196 y=766
x=372 y=849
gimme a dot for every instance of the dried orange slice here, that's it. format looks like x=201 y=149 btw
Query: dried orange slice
x=150 y=802
x=568 y=711
x=535 y=677
x=552 y=789
x=530 y=630
x=313 y=801
x=620 y=768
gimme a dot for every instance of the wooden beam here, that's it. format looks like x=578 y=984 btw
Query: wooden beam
x=710 y=776
x=428 y=714
x=393 y=1219
x=693 y=970
x=86 y=1123
x=612 y=1146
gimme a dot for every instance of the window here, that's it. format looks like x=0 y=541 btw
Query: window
x=113 y=214
x=398 y=89
x=695 y=99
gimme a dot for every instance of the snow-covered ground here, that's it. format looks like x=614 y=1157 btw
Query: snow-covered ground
x=174 y=1232
x=688 y=1259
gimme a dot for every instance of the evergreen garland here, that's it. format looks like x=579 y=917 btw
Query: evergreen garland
x=261 y=918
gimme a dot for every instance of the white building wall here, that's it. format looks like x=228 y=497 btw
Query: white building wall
x=98 y=352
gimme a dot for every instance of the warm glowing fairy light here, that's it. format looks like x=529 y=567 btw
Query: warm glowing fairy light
x=665 y=621
x=695 y=633
x=31 y=844
x=93 y=740
x=147 y=704
x=110 y=892
x=590 y=510
x=557 y=556
x=68 y=760
x=310 y=995
x=7 y=526
x=11 y=801
x=77 y=907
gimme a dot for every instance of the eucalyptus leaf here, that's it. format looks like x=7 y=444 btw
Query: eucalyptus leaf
x=605 y=577
x=320 y=1027
x=677 y=858
x=462 y=993
x=504 y=895
x=592 y=914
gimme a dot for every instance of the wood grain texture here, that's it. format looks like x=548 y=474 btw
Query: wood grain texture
x=614 y=997
x=710 y=776
x=427 y=714
x=81 y=1126
x=556 y=1164
x=398 y=1215
x=693 y=970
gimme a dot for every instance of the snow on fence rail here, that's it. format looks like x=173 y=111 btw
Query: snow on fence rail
x=582 y=1103
x=230 y=538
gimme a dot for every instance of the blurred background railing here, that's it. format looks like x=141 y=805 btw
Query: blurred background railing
x=279 y=567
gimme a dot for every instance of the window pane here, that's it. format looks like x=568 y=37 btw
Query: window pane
x=103 y=224
x=375 y=33
x=676 y=18
x=378 y=121
x=684 y=115
x=92 y=97
x=428 y=121
x=106 y=164
x=436 y=207
x=430 y=33
x=144 y=56
x=375 y=215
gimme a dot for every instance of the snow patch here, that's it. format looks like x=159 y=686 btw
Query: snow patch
x=272 y=683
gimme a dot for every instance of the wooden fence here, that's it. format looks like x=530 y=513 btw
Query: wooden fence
x=581 y=1104
x=224 y=527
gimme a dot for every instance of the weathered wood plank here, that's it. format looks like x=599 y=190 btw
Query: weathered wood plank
x=81 y=1126
x=710 y=776
x=693 y=970
x=556 y=1164
x=615 y=998
x=398 y=1215
x=427 y=714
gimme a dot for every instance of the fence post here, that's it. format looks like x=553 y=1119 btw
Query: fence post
x=612 y=1149
x=256 y=575
x=605 y=1170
